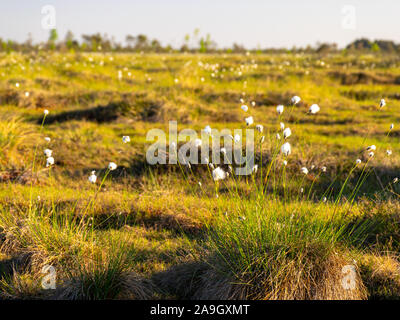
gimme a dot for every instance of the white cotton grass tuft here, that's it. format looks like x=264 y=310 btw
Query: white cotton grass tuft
x=314 y=109
x=358 y=161
x=282 y=125
x=371 y=154
x=278 y=136
x=112 y=166
x=47 y=139
x=285 y=163
x=371 y=147
x=395 y=180
x=304 y=170
x=197 y=142
x=391 y=126
x=244 y=108
x=389 y=152
x=279 y=109
x=249 y=121
x=49 y=161
x=287 y=133
x=207 y=130
x=236 y=138
x=382 y=103
x=48 y=152
x=286 y=149
x=255 y=168
x=92 y=178
x=295 y=100
x=126 y=139
x=259 y=128
x=219 y=174
x=46 y=112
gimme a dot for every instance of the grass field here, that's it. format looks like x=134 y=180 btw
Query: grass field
x=148 y=232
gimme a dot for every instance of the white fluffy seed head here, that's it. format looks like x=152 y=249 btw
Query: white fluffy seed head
x=295 y=99
x=249 y=121
x=287 y=133
x=49 y=161
x=48 y=152
x=286 y=149
x=314 y=109
x=218 y=174
x=279 y=109
x=112 y=166
x=259 y=128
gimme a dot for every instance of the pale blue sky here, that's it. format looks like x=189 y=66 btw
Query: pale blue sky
x=278 y=23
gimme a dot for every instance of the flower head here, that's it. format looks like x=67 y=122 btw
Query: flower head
x=112 y=166
x=48 y=152
x=389 y=152
x=219 y=174
x=279 y=109
x=46 y=112
x=295 y=99
x=371 y=147
x=358 y=161
x=282 y=125
x=249 y=121
x=314 y=109
x=49 y=161
x=207 y=130
x=286 y=149
x=287 y=133
x=304 y=170
x=92 y=178
x=382 y=103
x=197 y=143
x=245 y=108
x=255 y=168
x=259 y=128
x=47 y=139
x=126 y=139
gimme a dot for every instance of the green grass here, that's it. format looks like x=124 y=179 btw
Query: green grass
x=147 y=232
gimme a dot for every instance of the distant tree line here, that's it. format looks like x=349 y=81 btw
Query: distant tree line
x=192 y=43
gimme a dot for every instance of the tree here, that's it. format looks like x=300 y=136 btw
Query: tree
x=53 y=38
x=69 y=40
x=130 y=40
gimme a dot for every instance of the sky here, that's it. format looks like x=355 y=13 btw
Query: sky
x=252 y=23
